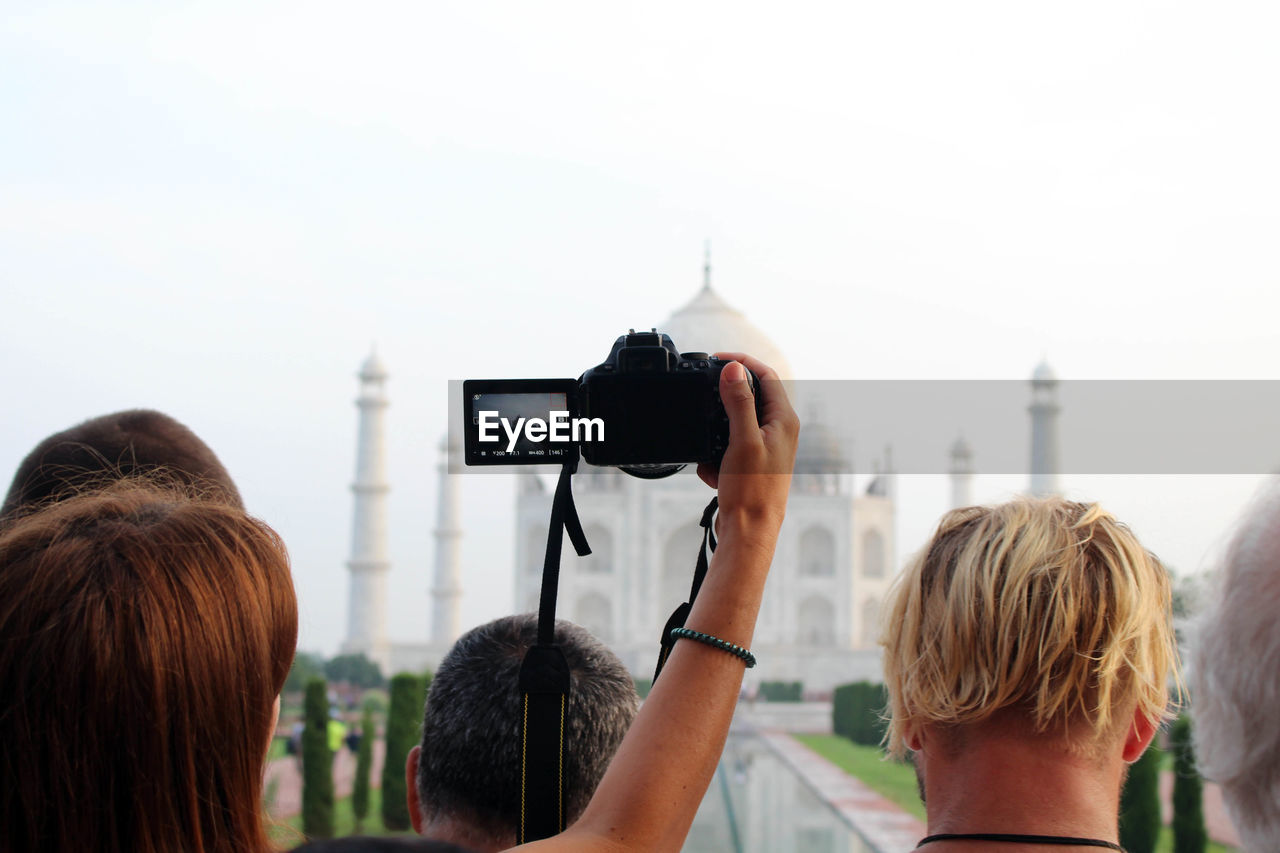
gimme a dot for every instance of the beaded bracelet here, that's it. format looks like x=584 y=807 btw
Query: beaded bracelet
x=724 y=646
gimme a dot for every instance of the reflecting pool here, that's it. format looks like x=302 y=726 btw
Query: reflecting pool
x=757 y=804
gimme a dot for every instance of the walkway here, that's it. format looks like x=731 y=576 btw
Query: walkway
x=284 y=782
x=883 y=824
x=891 y=830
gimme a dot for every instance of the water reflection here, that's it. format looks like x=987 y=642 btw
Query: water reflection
x=756 y=804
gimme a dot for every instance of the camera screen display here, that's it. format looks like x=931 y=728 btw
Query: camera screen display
x=520 y=421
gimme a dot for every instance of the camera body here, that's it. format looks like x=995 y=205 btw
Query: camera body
x=648 y=409
x=660 y=406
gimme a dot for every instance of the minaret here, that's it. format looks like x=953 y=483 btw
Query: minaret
x=367 y=614
x=446 y=592
x=1044 y=431
x=706 y=265
x=885 y=482
x=961 y=473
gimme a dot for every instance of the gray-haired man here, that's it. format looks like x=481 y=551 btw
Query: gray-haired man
x=464 y=779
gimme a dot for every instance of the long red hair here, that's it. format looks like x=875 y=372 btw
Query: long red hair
x=143 y=639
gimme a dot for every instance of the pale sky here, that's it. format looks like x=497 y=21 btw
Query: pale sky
x=217 y=209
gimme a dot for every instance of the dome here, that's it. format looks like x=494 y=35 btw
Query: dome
x=709 y=324
x=820 y=451
x=373 y=370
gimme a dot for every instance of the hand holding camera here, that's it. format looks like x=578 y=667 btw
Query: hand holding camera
x=754 y=476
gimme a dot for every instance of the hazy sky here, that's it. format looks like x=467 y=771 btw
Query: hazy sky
x=216 y=209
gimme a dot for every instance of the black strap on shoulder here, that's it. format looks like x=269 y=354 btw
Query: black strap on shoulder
x=545 y=683
x=544 y=695
x=681 y=613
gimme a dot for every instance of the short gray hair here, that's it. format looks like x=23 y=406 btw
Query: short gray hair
x=1235 y=682
x=469 y=768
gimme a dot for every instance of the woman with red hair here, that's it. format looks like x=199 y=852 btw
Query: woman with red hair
x=144 y=640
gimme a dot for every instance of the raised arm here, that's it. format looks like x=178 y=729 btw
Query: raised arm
x=652 y=789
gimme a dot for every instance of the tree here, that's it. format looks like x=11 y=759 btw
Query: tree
x=404 y=725
x=1188 y=595
x=317 y=764
x=782 y=691
x=842 y=709
x=1189 y=832
x=856 y=712
x=306 y=666
x=356 y=670
x=1140 y=804
x=364 y=764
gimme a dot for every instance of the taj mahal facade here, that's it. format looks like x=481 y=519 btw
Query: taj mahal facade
x=835 y=560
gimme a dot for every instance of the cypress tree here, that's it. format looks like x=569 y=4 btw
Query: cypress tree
x=364 y=764
x=1189 y=832
x=404 y=727
x=857 y=715
x=1140 y=804
x=842 y=710
x=317 y=764
x=856 y=710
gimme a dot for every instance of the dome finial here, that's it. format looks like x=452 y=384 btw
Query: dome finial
x=372 y=370
x=706 y=264
x=1043 y=374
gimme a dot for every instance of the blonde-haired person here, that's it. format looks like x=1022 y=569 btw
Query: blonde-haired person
x=1028 y=651
x=1235 y=680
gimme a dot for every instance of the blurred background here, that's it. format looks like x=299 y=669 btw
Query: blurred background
x=221 y=209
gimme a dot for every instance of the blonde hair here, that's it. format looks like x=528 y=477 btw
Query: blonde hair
x=1046 y=606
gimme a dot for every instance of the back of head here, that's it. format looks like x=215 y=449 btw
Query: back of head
x=368 y=844
x=469 y=767
x=106 y=448
x=1235 y=679
x=143 y=640
x=1048 y=607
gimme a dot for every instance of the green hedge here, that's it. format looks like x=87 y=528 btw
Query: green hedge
x=781 y=691
x=404 y=730
x=856 y=710
x=364 y=764
x=1189 y=832
x=1140 y=804
x=317 y=764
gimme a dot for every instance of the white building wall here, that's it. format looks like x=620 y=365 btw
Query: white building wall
x=871 y=513
x=641 y=518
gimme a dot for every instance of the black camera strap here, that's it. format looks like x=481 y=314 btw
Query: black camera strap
x=545 y=682
x=681 y=613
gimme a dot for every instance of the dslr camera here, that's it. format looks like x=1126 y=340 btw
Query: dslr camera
x=648 y=409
